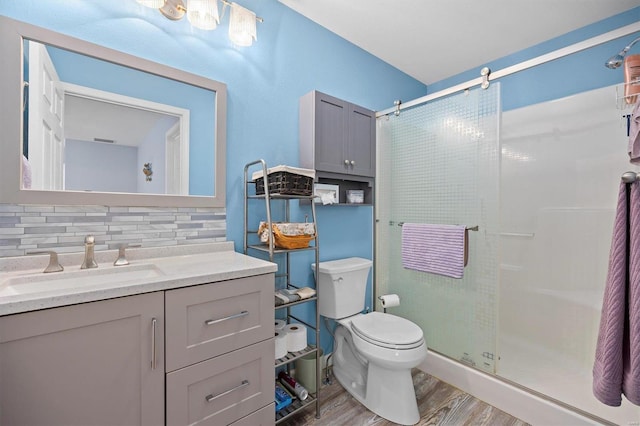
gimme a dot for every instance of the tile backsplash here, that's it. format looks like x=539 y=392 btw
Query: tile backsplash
x=25 y=228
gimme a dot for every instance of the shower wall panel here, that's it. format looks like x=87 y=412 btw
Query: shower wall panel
x=561 y=168
x=439 y=164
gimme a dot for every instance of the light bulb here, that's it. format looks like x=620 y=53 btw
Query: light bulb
x=154 y=4
x=242 y=26
x=203 y=14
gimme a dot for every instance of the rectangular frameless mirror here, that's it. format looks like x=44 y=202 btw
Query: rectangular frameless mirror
x=90 y=125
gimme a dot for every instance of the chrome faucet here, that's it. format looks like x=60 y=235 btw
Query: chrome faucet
x=89 y=257
x=54 y=265
x=122 y=258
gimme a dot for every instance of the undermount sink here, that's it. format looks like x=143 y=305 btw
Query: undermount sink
x=69 y=280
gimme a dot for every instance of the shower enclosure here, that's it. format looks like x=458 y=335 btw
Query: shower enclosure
x=439 y=163
x=540 y=183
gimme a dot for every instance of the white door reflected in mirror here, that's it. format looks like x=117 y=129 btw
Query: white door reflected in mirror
x=46 y=118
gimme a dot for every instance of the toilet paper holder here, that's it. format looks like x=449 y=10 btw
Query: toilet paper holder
x=389 y=300
x=383 y=308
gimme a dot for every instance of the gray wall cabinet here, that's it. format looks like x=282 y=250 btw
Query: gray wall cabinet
x=338 y=141
x=337 y=136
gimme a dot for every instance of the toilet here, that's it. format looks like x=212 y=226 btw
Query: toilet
x=373 y=353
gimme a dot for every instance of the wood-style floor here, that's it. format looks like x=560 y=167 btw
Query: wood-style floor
x=439 y=404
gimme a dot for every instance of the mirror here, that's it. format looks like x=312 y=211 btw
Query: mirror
x=89 y=125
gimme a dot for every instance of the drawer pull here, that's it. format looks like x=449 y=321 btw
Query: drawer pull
x=211 y=398
x=241 y=314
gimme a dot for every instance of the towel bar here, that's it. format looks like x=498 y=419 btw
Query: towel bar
x=468 y=228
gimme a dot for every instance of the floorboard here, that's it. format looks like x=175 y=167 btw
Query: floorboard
x=439 y=404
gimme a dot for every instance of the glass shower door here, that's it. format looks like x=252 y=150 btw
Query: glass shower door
x=439 y=164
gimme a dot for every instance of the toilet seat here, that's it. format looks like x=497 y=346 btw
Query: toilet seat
x=387 y=331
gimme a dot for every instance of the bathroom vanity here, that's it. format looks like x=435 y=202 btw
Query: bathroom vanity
x=183 y=332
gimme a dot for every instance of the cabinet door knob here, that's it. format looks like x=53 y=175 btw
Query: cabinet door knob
x=353 y=163
x=346 y=162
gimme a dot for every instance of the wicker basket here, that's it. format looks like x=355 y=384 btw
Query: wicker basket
x=286 y=180
x=288 y=235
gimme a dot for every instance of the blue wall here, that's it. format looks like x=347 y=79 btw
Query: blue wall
x=291 y=57
x=563 y=77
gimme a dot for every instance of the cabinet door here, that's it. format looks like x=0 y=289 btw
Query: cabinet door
x=87 y=364
x=361 y=146
x=330 y=133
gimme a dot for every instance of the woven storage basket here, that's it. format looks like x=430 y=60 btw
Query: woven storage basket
x=288 y=235
x=285 y=180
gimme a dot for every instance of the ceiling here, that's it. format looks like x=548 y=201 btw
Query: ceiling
x=88 y=119
x=434 y=39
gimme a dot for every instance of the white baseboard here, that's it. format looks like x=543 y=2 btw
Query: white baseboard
x=508 y=398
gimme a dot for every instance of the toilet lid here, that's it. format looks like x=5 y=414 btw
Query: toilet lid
x=387 y=329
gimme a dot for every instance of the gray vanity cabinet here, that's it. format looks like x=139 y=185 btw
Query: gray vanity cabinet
x=93 y=363
x=107 y=362
x=336 y=136
x=219 y=356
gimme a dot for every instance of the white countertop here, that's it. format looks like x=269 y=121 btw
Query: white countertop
x=169 y=268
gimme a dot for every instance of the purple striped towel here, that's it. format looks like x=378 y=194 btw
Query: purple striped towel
x=438 y=249
x=616 y=369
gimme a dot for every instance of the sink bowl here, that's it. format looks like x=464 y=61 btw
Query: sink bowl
x=70 y=280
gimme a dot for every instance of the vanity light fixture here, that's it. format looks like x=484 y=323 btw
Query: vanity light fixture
x=203 y=14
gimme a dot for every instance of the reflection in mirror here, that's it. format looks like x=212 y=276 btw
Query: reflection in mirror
x=92 y=125
x=83 y=124
x=124 y=138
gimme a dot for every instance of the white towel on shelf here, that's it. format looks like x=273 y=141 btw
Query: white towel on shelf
x=438 y=249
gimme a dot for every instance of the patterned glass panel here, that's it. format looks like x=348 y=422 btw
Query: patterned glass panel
x=439 y=164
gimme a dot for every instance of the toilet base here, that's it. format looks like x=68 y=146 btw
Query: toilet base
x=388 y=393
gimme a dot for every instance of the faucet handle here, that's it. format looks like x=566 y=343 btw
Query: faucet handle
x=122 y=259
x=54 y=265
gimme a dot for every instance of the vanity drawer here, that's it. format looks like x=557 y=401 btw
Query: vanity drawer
x=263 y=417
x=212 y=319
x=224 y=389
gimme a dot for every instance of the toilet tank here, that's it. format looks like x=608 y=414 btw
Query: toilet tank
x=342 y=286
